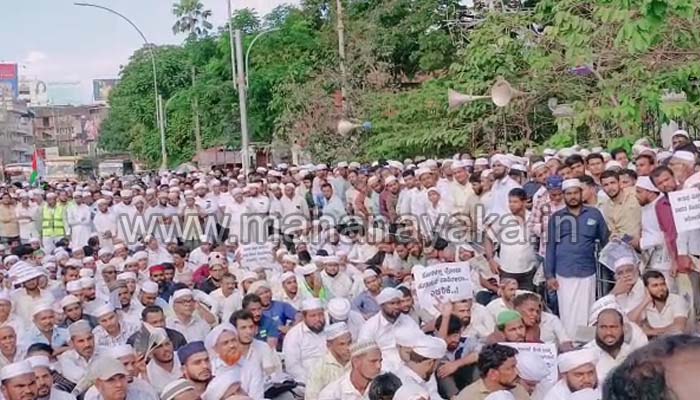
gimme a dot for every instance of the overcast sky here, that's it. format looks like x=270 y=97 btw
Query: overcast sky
x=54 y=40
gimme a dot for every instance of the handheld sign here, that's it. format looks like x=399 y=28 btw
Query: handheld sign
x=546 y=351
x=439 y=283
x=685 y=205
x=256 y=255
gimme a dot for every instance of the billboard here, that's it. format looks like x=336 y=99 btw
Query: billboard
x=9 y=81
x=102 y=87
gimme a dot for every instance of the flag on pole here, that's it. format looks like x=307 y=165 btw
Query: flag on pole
x=35 y=169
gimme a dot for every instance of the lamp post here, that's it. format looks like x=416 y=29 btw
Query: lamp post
x=158 y=102
x=250 y=47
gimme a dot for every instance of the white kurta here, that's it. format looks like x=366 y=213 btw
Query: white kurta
x=380 y=330
x=302 y=348
x=27 y=218
x=105 y=225
x=407 y=375
x=160 y=377
x=79 y=220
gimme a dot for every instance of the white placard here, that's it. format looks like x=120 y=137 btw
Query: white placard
x=548 y=353
x=686 y=209
x=256 y=255
x=442 y=282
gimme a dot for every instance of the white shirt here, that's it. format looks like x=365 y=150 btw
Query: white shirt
x=380 y=330
x=339 y=285
x=635 y=297
x=196 y=329
x=498 y=203
x=552 y=330
x=60 y=395
x=72 y=365
x=302 y=348
x=342 y=389
x=225 y=306
x=407 y=375
x=675 y=307
x=517 y=255
x=482 y=323
x=606 y=362
x=105 y=222
x=496 y=306
x=160 y=377
x=27 y=219
x=198 y=258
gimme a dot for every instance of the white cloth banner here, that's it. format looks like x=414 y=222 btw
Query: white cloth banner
x=256 y=255
x=442 y=282
x=686 y=209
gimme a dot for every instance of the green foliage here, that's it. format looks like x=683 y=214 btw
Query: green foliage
x=611 y=61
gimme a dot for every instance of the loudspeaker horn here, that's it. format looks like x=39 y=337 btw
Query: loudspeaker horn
x=502 y=93
x=456 y=99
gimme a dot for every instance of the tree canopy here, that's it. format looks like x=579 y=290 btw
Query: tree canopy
x=610 y=62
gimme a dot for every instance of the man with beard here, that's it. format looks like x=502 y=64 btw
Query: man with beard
x=112 y=329
x=334 y=363
x=609 y=342
x=621 y=209
x=477 y=323
x=44 y=380
x=18 y=381
x=74 y=362
x=305 y=343
x=497 y=367
x=502 y=185
x=216 y=271
x=196 y=366
x=340 y=310
x=510 y=328
x=507 y=290
x=422 y=362
x=366 y=302
x=184 y=319
x=574 y=234
x=266 y=328
x=456 y=369
x=366 y=364
x=281 y=313
x=661 y=313
x=163 y=366
x=336 y=282
x=577 y=371
x=383 y=326
x=31 y=294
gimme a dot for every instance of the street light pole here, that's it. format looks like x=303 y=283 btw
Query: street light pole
x=158 y=104
x=341 y=54
x=233 y=52
x=250 y=46
x=242 y=99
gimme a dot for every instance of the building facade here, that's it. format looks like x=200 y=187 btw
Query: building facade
x=74 y=130
x=16 y=132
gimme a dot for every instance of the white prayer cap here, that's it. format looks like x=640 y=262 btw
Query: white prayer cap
x=311 y=303
x=570 y=184
x=127 y=193
x=287 y=275
x=73 y=286
x=189 y=194
x=176 y=388
x=16 y=369
x=620 y=262
x=140 y=255
x=531 y=367
x=253 y=288
x=87 y=194
x=372 y=180
x=68 y=300
x=408 y=337
x=88 y=260
x=125 y=276
x=354 y=165
x=411 y=391
x=120 y=350
x=684 y=155
x=645 y=183
x=180 y=293
x=538 y=165
x=104 y=252
x=4 y=296
x=86 y=273
x=422 y=170
x=362 y=347
x=336 y=330
x=213 y=336
x=388 y=294
x=681 y=132
x=501 y=159
x=103 y=310
x=28 y=275
x=612 y=164
x=430 y=347
x=105 y=367
x=216 y=389
x=586 y=394
x=500 y=395
x=149 y=287
x=395 y=164
x=77 y=194
x=51 y=195
x=40 y=307
x=339 y=308
x=307 y=269
x=39 y=362
x=368 y=273
x=11 y=259
x=605 y=303
x=389 y=179
x=519 y=167
x=80 y=327
x=88 y=282
x=199 y=185
x=574 y=359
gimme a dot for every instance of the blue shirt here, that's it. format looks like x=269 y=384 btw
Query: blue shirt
x=572 y=241
x=267 y=328
x=366 y=304
x=59 y=337
x=282 y=313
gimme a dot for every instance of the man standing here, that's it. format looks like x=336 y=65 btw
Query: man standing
x=80 y=221
x=52 y=223
x=621 y=209
x=27 y=214
x=502 y=185
x=574 y=233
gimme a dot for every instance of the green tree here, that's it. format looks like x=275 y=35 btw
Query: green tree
x=192 y=19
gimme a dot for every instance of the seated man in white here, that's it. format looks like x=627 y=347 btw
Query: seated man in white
x=577 y=371
x=661 y=313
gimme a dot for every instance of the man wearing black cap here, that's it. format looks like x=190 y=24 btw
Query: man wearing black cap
x=196 y=366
